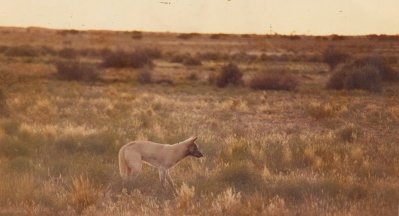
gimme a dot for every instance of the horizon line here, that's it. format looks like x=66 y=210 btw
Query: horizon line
x=193 y=32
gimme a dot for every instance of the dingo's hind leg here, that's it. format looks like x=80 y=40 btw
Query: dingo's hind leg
x=134 y=165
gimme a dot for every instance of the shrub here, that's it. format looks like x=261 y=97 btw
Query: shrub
x=75 y=70
x=333 y=57
x=67 y=144
x=191 y=61
x=152 y=53
x=99 y=143
x=243 y=57
x=192 y=76
x=212 y=56
x=46 y=50
x=186 y=36
x=7 y=81
x=275 y=80
x=320 y=111
x=338 y=37
x=12 y=148
x=336 y=80
x=23 y=51
x=144 y=75
x=218 y=36
x=348 y=133
x=179 y=58
x=68 y=53
x=137 y=35
x=366 y=78
x=381 y=63
x=230 y=74
x=119 y=59
x=242 y=177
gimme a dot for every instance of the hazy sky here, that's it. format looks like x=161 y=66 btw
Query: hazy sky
x=348 y=17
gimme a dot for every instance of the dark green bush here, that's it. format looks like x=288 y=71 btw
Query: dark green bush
x=179 y=57
x=23 y=51
x=75 y=70
x=334 y=57
x=230 y=74
x=144 y=75
x=68 y=144
x=120 y=59
x=381 y=63
x=293 y=190
x=137 y=35
x=12 y=148
x=213 y=56
x=243 y=57
x=68 y=53
x=351 y=77
x=21 y=164
x=336 y=80
x=366 y=78
x=192 y=61
x=99 y=143
x=275 y=80
x=186 y=36
x=242 y=177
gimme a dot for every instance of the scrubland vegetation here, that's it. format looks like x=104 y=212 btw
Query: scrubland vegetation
x=283 y=132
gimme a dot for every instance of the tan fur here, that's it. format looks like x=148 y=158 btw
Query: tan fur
x=162 y=156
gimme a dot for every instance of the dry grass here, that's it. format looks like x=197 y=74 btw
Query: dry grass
x=311 y=151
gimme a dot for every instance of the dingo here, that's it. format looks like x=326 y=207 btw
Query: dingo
x=162 y=156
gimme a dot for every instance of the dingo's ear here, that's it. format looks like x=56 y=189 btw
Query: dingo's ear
x=192 y=139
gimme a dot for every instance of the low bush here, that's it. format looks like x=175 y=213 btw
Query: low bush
x=275 y=80
x=186 y=36
x=179 y=57
x=22 y=51
x=219 y=36
x=68 y=53
x=120 y=59
x=336 y=80
x=243 y=57
x=230 y=74
x=213 y=56
x=192 y=61
x=348 y=133
x=137 y=35
x=242 y=177
x=334 y=57
x=353 y=77
x=365 y=78
x=7 y=81
x=75 y=70
x=144 y=75
x=381 y=63
x=320 y=111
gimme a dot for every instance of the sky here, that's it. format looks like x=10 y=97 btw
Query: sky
x=310 y=17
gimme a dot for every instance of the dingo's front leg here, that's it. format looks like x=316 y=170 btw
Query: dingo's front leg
x=162 y=176
x=169 y=179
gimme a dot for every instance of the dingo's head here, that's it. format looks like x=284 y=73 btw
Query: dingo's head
x=193 y=149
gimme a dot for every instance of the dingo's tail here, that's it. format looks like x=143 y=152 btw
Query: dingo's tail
x=123 y=169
